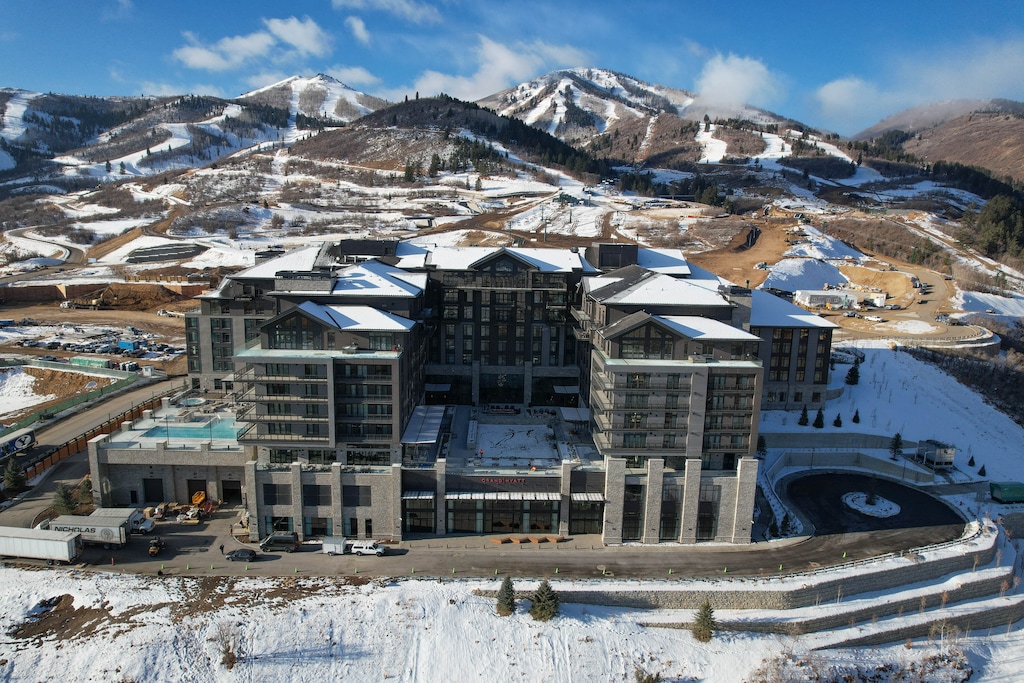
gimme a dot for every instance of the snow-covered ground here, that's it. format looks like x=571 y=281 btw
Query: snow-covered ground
x=18 y=391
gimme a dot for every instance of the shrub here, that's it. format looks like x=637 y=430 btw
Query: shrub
x=838 y=422
x=853 y=374
x=506 y=598
x=819 y=419
x=803 y=418
x=545 y=602
x=856 y=417
x=704 y=624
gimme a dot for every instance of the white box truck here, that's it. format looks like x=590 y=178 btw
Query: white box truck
x=110 y=532
x=137 y=521
x=53 y=546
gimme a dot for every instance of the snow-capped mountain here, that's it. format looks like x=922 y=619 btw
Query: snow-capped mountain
x=579 y=104
x=320 y=96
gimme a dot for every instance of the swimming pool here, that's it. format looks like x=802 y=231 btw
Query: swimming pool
x=217 y=429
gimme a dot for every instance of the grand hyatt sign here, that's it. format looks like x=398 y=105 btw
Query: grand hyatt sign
x=502 y=480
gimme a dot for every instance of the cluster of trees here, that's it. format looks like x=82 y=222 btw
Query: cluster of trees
x=544 y=602
x=699 y=187
x=998 y=229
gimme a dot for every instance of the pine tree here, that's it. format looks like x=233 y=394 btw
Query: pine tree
x=65 y=502
x=14 y=476
x=803 y=418
x=981 y=472
x=506 y=598
x=970 y=463
x=819 y=420
x=896 y=446
x=704 y=624
x=545 y=602
x=838 y=422
x=853 y=374
x=856 y=417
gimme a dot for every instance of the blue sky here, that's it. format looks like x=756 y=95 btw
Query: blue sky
x=835 y=65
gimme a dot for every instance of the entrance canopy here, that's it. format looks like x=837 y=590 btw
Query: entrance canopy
x=424 y=425
x=502 y=495
x=575 y=414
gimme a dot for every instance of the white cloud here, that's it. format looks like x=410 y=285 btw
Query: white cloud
x=305 y=35
x=416 y=12
x=983 y=70
x=498 y=67
x=353 y=75
x=732 y=80
x=170 y=89
x=358 y=28
x=226 y=53
x=265 y=78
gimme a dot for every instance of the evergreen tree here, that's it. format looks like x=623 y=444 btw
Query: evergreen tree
x=410 y=172
x=803 y=418
x=506 y=598
x=545 y=602
x=479 y=185
x=853 y=374
x=981 y=472
x=896 y=446
x=970 y=463
x=704 y=624
x=838 y=422
x=106 y=166
x=856 y=417
x=14 y=476
x=819 y=420
x=435 y=166
x=65 y=502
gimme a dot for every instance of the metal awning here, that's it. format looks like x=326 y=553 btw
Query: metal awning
x=575 y=414
x=503 y=495
x=437 y=387
x=571 y=389
x=584 y=497
x=417 y=495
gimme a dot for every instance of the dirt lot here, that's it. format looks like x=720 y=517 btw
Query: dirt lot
x=63 y=384
x=736 y=263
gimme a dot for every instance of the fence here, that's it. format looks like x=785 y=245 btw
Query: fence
x=81 y=442
x=124 y=379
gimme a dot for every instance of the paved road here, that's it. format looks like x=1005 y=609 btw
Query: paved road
x=195 y=551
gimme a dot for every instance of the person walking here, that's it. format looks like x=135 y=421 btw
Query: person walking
x=221 y=548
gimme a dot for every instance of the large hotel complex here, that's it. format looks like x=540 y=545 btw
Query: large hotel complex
x=393 y=389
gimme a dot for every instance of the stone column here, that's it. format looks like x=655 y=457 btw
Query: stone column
x=746 y=489
x=614 y=497
x=652 y=502
x=249 y=499
x=295 y=479
x=565 y=506
x=396 y=502
x=440 y=507
x=336 y=500
x=691 y=496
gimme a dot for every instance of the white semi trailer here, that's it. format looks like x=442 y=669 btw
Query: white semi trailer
x=110 y=532
x=56 y=547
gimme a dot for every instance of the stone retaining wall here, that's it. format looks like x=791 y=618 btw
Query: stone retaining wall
x=994 y=617
x=816 y=591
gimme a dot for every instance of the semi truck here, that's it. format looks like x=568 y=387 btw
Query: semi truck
x=110 y=532
x=56 y=547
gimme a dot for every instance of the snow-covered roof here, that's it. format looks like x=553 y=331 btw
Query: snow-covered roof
x=294 y=261
x=705 y=329
x=356 y=317
x=651 y=288
x=768 y=310
x=443 y=257
x=668 y=261
x=373 y=278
